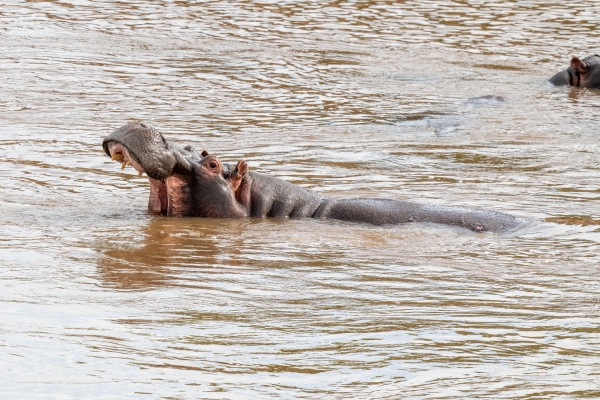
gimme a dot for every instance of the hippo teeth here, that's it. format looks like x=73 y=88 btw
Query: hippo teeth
x=120 y=154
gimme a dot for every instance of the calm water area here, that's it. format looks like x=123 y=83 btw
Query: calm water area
x=101 y=299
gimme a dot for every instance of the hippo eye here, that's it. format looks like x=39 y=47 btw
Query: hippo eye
x=213 y=164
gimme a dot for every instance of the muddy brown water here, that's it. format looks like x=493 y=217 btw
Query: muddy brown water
x=99 y=299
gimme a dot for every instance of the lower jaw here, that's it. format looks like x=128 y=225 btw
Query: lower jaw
x=158 y=201
x=170 y=198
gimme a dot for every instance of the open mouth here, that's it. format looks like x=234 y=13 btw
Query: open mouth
x=119 y=153
x=158 y=201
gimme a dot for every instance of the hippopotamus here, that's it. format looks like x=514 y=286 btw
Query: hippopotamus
x=582 y=73
x=185 y=182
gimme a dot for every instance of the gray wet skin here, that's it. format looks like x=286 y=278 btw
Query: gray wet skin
x=581 y=73
x=188 y=183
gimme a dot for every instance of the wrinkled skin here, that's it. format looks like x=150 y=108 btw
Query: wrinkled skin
x=581 y=73
x=185 y=182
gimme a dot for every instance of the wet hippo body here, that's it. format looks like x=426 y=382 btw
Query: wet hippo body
x=186 y=182
x=581 y=73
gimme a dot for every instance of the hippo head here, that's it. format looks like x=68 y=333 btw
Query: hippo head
x=183 y=181
x=581 y=73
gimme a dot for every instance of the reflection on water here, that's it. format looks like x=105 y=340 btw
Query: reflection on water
x=438 y=102
x=171 y=247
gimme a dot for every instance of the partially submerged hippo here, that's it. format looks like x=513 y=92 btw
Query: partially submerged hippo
x=582 y=73
x=185 y=182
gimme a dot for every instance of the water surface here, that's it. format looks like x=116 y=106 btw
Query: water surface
x=100 y=299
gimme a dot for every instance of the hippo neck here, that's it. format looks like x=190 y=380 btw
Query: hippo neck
x=274 y=197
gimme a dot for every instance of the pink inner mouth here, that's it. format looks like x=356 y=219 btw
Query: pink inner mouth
x=158 y=201
x=117 y=148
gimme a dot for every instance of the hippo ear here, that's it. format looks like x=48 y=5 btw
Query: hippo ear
x=579 y=65
x=240 y=184
x=204 y=153
x=235 y=180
